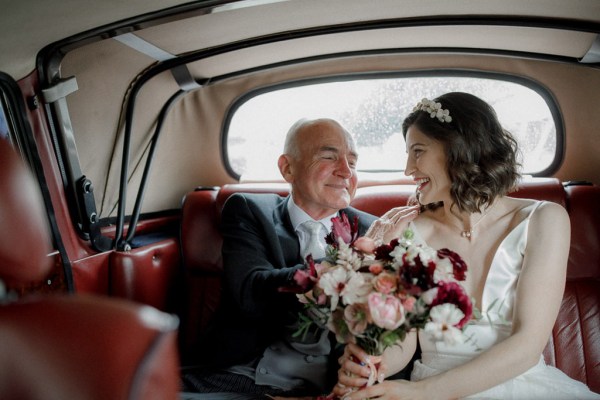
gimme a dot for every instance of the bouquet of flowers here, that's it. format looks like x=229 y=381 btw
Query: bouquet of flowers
x=374 y=295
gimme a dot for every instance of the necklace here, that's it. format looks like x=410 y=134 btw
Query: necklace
x=468 y=233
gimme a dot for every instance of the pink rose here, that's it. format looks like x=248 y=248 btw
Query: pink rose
x=365 y=244
x=409 y=303
x=385 y=283
x=386 y=311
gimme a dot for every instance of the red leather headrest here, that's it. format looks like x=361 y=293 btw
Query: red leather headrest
x=282 y=189
x=378 y=200
x=24 y=237
x=550 y=189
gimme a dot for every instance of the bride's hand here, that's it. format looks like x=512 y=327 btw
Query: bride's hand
x=391 y=390
x=392 y=223
x=357 y=369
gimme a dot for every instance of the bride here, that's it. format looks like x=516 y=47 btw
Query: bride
x=464 y=163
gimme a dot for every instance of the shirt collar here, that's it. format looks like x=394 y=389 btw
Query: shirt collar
x=298 y=216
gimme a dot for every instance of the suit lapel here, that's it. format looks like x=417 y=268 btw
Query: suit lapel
x=289 y=243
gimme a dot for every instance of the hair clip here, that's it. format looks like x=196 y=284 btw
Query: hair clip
x=434 y=109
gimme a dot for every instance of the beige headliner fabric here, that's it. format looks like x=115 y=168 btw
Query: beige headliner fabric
x=193 y=130
x=189 y=152
x=28 y=26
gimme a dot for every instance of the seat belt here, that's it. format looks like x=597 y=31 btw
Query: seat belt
x=181 y=73
x=82 y=189
x=593 y=54
x=186 y=82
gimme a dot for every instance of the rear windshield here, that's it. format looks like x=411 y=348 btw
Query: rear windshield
x=373 y=111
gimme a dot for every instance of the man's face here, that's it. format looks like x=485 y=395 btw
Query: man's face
x=323 y=176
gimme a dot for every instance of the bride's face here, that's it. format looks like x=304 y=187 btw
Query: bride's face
x=427 y=166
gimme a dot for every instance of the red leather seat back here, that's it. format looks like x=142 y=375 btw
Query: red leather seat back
x=146 y=274
x=282 y=189
x=202 y=265
x=201 y=254
x=575 y=343
x=84 y=347
x=377 y=200
x=24 y=237
x=71 y=346
x=549 y=189
x=584 y=211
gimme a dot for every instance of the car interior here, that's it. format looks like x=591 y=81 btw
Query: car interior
x=125 y=126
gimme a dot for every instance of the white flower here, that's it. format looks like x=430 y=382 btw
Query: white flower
x=332 y=282
x=444 y=271
x=429 y=296
x=346 y=257
x=441 y=328
x=343 y=283
x=425 y=253
x=398 y=253
x=356 y=290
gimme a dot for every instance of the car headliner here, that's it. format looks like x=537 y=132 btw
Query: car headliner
x=237 y=48
x=29 y=26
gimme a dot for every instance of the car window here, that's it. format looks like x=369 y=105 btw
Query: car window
x=373 y=110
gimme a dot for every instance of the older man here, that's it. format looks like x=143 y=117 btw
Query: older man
x=265 y=241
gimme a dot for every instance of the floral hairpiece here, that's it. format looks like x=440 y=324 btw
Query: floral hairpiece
x=434 y=109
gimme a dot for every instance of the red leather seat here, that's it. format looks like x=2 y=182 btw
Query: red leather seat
x=62 y=346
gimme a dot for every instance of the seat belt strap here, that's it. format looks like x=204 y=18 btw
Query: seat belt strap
x=181 y=73
x=593 y=54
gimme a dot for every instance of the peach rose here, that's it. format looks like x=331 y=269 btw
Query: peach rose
x=385 y=283
x=365 y=244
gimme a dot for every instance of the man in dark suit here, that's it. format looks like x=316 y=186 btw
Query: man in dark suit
x=264 y=244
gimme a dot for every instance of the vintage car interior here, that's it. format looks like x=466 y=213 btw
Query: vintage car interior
x=124 y=127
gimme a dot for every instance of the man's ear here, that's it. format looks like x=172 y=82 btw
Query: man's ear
x=285 y=168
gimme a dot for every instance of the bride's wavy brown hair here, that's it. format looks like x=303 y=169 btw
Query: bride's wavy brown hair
x=481 y=156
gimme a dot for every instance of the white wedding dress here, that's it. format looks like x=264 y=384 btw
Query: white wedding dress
x=540 y=382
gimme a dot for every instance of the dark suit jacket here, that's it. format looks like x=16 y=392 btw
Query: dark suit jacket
x=261 y=252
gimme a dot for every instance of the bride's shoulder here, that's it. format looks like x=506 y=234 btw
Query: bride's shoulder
x=539 y=212
x=531 y=206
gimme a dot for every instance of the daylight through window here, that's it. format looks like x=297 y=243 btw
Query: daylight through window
x=373 y=110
